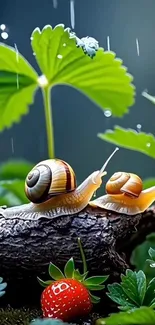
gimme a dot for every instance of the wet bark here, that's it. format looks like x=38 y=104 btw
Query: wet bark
x=27 y=247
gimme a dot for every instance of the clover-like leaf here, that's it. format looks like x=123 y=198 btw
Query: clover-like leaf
x=140 y=316
x=102 y=79
x=130 y=139
x=69 y=268
x=55 y=272
x=18 y=83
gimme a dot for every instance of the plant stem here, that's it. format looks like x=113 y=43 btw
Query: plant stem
x=82 y=256
x=49 y=121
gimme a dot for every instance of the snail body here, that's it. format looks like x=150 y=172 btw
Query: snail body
x=51 y=187
x=125 y=195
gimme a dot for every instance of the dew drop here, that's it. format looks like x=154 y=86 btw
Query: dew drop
x=59 y=56
x=148 y=144
x=2 y=26
x=107 y=113
x=4 y=35
x=139 y=127
x=34 y=53
x=64 y=44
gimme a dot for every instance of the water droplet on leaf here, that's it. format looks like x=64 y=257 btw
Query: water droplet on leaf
x=107 y=113
x=148 y=144
x=139 y=127
x=4 y=35
x=2 y=26
x=59 y=56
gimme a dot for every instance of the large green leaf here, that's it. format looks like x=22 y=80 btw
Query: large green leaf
x=148 y=182
x=18 y=83
x=103 y=79
x=13 y=169
x=130 y=139
x=141 y=316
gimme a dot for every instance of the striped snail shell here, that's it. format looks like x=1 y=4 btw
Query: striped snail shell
x=122 y=182
x=49 y=178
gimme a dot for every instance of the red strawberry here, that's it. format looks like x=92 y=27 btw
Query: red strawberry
x=66 y=299
x=68 y=296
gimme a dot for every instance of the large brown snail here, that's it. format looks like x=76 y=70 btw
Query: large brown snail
x=51 y=188
x=125 y=195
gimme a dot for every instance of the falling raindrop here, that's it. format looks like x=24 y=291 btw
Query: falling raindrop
x=4 y=35
x=148 y=144
x=55 y=4
x=17 y=59
x=107 y=113
x=108 y=43
x=139 y=127
x=12 y=145
x=72 y=13
x=137 y=45
x=2 y=27
x=59 y=56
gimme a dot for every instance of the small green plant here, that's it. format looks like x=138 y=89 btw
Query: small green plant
x=63 y=59
x=135 y=296
x=133 y=291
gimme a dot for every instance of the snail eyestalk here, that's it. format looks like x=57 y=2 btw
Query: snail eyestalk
x=102 y=170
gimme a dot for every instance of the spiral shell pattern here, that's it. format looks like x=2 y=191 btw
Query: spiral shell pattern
x=122 y=182
x=49 y=178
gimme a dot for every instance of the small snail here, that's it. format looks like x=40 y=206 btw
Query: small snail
x=51 y=188
x=125 y=195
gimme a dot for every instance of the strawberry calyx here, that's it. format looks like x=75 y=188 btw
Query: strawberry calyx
x=70 y=272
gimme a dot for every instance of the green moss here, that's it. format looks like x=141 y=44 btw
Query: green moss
x=23 y=316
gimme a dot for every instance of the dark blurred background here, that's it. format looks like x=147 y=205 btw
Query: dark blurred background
x=77 y=120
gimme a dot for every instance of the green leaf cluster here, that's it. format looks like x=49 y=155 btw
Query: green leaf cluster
x=94 y=283
x=63 y=59
x=133 y=291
